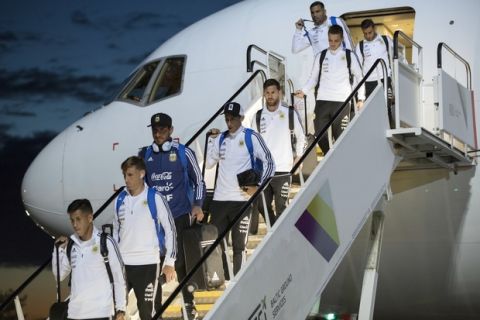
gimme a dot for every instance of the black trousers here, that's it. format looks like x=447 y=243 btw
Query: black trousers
x=277 y=190
x=144 y=279
x=324 y=112
x=222 y=213
x=182 y=223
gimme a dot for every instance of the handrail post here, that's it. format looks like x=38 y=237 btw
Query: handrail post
x=395 y=70
x=458 y=57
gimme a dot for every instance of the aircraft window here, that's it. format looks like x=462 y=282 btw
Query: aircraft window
x=136 y=88
x=169 y=80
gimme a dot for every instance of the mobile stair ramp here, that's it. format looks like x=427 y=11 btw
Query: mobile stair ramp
x=293 y=264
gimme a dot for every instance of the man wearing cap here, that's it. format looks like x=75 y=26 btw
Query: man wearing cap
x=230 y=150
x=172 y=169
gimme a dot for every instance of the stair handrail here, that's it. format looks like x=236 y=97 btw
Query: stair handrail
x=260 y=189
x=219 y=111
x=251 y=62
x=47 y=262
x=458 y=57
x=320 y=133
x=413 y=43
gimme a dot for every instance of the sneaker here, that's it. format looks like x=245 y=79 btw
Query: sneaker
x=192 y=313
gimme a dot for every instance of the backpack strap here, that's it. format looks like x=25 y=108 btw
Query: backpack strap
x=348 y=54
x=361 y=50
x=333 y=20
x=291 y=127
x=69 y=249
x=118 y=204
x=222 y=138
x=258 y=116
x=183 y=160
x=148 y=153
x=249 y=144
x=104 y=253
x=322 y=58
x=153 y=212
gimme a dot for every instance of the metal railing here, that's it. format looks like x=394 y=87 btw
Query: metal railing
x=260 y=189
x=413 y=43
x=251 y=63
x=458 y=57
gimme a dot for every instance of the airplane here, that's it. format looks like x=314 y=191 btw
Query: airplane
x=431 y=246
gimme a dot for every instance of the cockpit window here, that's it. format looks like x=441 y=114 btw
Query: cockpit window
x=135 y=90
x=155 y=81
x=169 y=79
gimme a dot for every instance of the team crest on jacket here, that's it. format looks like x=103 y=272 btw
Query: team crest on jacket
x=95 y=248
x=282 y=115
x=145 y=203
x=172 y=157
x=241 y=143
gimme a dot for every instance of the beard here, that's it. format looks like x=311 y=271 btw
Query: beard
x=272 y=103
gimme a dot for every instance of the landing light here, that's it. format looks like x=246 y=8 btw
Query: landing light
x=330 y=316
x=28 y=213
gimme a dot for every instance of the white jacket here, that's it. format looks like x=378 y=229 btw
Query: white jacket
x=334 y=81
x=135 y=233
x=233 y=158
x=317 y=37
x=91 y=292
x=373 y=50
x=274 y=129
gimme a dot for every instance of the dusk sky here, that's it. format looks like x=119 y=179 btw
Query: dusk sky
x=59 y=60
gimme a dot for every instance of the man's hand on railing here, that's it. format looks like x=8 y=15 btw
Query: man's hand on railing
x=61 y=242
x=250 y=190
x=299 y=93
x=169 y=273
x=359 y=105
x=214 y=132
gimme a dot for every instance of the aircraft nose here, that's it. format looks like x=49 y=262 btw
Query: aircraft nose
x=42 y=185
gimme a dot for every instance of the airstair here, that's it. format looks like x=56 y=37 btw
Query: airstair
x=295 y=261
x=297 y=257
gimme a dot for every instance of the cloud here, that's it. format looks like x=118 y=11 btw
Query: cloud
x=25 y=83
x=8 y=36
x=80 y=18
x=144 y=19
x=16 y=154
x=16 y=113
x=132 y=61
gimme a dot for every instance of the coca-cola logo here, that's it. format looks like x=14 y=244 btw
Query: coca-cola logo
x=161 y=176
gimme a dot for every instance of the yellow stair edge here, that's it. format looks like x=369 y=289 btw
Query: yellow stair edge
x=207 y=294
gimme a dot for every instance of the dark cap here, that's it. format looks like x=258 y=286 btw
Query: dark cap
x=233 y=108
x=160 y=120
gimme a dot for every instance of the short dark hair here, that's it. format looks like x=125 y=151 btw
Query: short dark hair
x=335 y=29
x=317 y=3
x=367 y=23
x=83 y=205
x=133 y=161
x=271 y=82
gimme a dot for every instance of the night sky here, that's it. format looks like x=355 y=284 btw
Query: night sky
x=58 y=60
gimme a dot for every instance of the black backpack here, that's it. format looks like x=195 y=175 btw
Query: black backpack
x=385 y=39
x=106 y=232
x=348 y=53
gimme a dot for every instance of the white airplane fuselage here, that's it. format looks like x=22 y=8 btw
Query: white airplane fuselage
x=433 y=220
